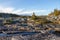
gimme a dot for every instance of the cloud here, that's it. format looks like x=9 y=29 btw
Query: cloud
x=19 y=11
x=31 y=11
x=6 y=10
x=10 y=10
x=24 y=11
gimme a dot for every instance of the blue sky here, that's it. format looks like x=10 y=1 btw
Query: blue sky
x=40 y=7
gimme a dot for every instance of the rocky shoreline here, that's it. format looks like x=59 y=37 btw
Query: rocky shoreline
x=38 y=36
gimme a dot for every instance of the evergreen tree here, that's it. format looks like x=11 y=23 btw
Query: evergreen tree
x=56 y=13
x=34 y=16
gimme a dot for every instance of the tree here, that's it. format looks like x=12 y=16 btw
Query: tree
x=34 y=16
x=56 y=12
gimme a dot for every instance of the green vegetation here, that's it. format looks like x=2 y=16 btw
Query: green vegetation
x=55 y=13
x=33 y=17
x=56 y=18
x=39 y=19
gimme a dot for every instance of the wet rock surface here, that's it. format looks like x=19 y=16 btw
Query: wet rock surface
x=45 y=34
x=38 y=36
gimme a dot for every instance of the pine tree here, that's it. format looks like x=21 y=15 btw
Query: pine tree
x=55 y=12
x=34 y=16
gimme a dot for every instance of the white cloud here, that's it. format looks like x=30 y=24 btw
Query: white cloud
x=31 y=11
x=19 y=11
x=6 y=10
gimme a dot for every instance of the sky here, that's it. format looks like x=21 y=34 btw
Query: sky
x=27 y=7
